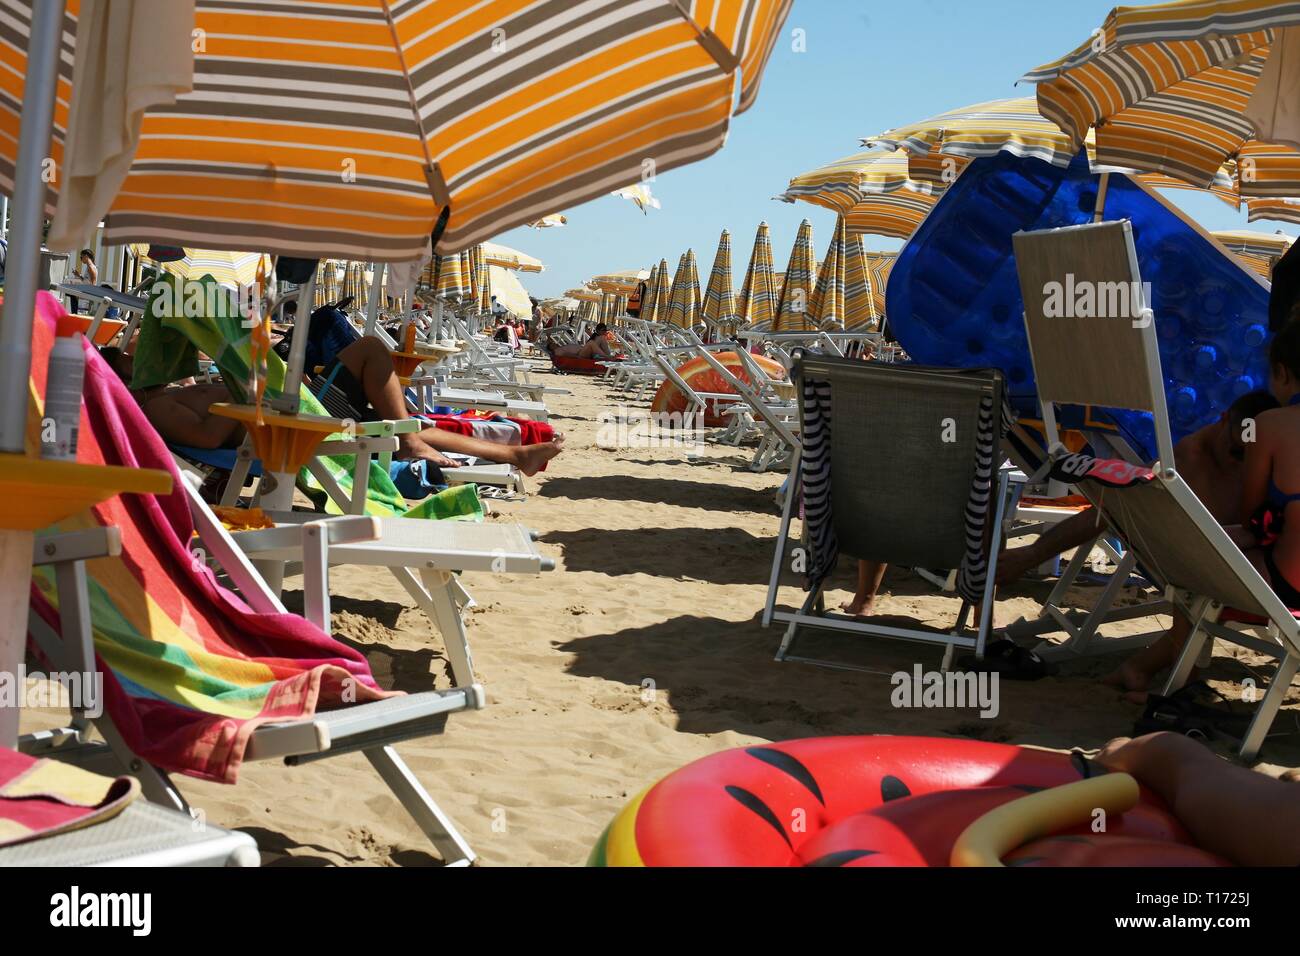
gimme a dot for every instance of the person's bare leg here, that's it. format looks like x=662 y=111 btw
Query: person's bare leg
x=527 y=458
x=870 y=574
x=1073 y=532
x=371 y=364
x=1138 y=671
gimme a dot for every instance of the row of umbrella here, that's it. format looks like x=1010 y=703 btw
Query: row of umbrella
x=844 y=292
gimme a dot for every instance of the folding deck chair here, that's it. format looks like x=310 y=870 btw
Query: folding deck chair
x=879 y=475
x=1114 y=362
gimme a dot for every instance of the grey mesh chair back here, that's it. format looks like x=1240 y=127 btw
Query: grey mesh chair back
x=903 y=455
x=1091 y=330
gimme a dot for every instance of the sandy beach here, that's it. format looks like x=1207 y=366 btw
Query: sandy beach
x=640 y=653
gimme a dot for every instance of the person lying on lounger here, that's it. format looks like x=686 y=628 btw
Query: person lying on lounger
x=180 y=413
x=364 y=372
x=1242 y=815
x=596 y=347
x=1270 y=489
x=1209 y=460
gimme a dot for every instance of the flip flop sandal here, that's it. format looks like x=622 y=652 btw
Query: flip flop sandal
x=1008 y=659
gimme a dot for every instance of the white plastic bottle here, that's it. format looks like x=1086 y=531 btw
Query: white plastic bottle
x=63 y=383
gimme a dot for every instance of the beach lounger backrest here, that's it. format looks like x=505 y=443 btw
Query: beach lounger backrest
x=903 y=455
x=1091 y=331
x=1180 y=544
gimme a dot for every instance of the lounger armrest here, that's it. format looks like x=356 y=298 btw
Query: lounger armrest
x=341 y=530
x=362 y=726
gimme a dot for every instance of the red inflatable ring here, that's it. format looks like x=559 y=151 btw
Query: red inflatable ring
x=873 y=801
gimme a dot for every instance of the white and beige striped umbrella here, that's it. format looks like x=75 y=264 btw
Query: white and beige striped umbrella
x=356 y=128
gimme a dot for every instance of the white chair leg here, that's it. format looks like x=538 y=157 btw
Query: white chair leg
x=428 y=816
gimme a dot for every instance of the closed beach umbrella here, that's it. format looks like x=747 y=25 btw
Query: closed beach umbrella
x=1179 y=88
x=489 y=115
x=677 y=294
x=800 y=279
x=879 y=265
x=826 y=311
x=719 y=309
x=655 y=306
x=859 y=305
x=450 y=282
x=758 y=295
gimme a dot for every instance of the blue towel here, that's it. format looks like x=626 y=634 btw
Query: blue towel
x=416 y=478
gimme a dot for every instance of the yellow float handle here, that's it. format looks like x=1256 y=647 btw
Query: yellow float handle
x=1014 y=824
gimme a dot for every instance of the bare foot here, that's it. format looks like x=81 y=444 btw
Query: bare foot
x=533 y=457
x=858 y=607
x=413 y=446
x=1015 y=563
x=1128 y=677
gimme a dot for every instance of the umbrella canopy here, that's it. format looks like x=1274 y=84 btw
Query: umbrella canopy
x=549 y=222
x=827 y=309
x=860 y=313
x=482 y=274
x=654 y=307
x=758 y=294
x=872 y=190
x=939 y=148
x=1258 y=250
x=800 y=280
x=1168 y=89
x=490 y=115
x=625 y=281
x=640 y=195
x=509 y=291
x=231 y=269
x=720 y=298
x=585 y=294
x=495 y=254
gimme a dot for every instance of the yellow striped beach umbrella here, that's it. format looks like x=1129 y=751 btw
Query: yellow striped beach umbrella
x=1259 y=251
x=490 y=114
x=625 y=281
x=231 y=269
x=800 y=282
x=1168 y=89
x=696 y=300
x=655 y=306
x=873 y=190
x=940 y=147
x=879 y=265
x=684 y=297
x=495 y=254
x=450 y=281
x=758 y=294
x=585 y=294
x=827 y=309
x=588 y=311
x=719 y=308
x=860 y=312
x=482 y=279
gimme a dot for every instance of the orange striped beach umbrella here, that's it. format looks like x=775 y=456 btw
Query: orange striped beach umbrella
x=1175 y=89
x=354 y=128
x=655 y=306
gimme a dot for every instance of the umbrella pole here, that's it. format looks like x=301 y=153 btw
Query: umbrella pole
x=1099 y=212
x=16 y=331
x=372 y=303
x=288 y=402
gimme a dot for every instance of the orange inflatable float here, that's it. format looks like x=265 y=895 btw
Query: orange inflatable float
x=701 y=376
x=896 y=801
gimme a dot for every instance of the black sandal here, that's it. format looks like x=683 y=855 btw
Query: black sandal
x=1008 y=659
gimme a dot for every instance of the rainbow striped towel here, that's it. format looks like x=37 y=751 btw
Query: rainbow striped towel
x=189 y=670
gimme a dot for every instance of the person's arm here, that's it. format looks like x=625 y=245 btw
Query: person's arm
x=1257 y=469
x=93 y=271
x=1243 y=816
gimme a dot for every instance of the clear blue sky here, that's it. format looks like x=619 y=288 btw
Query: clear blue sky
x=869 y=65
